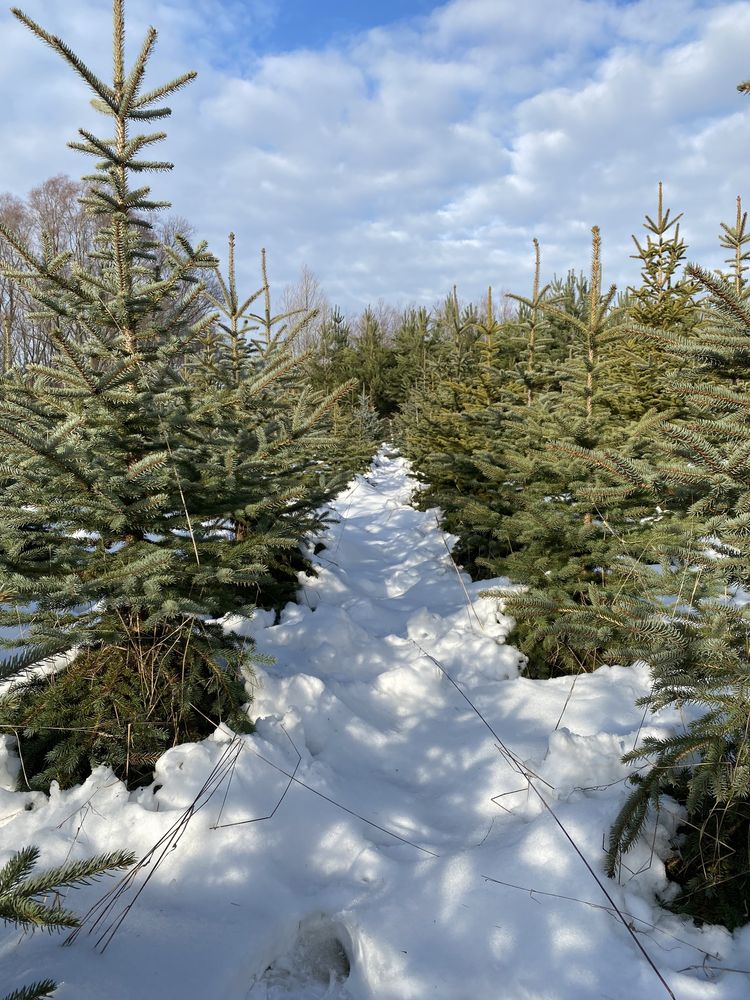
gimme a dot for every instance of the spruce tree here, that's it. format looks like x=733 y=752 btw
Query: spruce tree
x=122 y=471
x=502 y=445
x=34 y=991
x=453 y=417
x=689 y=618
x=561 y=546
x=110 y=555
x=735 y=239
x=699 y=649
x=665 y=298
x=639 y=380
x=415 y=349
x=374 y=360
x=294 y=445
x=332 y=362
x=534 y=324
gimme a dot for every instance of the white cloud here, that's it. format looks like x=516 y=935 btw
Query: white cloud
x=430 y=152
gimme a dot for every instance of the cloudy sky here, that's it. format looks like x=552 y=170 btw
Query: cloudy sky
x=396 y=147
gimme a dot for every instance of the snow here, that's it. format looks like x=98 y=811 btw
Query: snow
x=373 y=840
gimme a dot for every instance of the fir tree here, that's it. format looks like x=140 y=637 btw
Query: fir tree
x=450 y=422
x=374 y=362
x=355 y=426
x=639 y=379
x=416 y=350
x=112 y=555
x=333 y=360
x=664 y=300
x=696 y=641
x=35 y=991
x=735 y=238
x=708 y=765
x=458 y=325
x=122 y=470
x=561 y=545
x=598 y=328
x=535 y=325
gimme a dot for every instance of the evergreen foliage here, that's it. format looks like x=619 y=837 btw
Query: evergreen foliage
x=504 y=445
x=34 y=991
x=534 y=324
x=285 y=441
x=374 y=361
x=340 y=359
x=415 y=344
x=21 y=889
x=665 y=298
x=439 y=426
x=165 y=453
x=735 y=238
x=158 y=476
x=705 y=663
x=641 y=375
x=22 y=899
x=563 y=546
x=695 y=638
x=333 y=360
x=605 y=482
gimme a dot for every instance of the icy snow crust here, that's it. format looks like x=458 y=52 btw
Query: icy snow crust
x=315 y=902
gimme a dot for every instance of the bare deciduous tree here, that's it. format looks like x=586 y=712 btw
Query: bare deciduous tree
x=306 y=296
x=52 y=219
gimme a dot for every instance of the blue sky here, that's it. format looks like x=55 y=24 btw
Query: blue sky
x=233 y=34
x=316 y=23
x=397 y=148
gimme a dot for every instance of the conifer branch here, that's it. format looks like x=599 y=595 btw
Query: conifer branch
x=34 y=991
x=105 y=93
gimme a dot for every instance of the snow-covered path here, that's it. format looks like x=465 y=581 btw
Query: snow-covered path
x=400 y=863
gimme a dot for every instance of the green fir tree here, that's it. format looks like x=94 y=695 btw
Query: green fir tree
x=665 y=298
x=560 y=545
x=138 y=507
x=735 y=239
x=698 y=648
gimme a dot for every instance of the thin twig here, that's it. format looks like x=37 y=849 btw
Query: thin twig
x=104 y=908
x=519 y=766
x=567 y=700
x=469 y=603
x=343 y=808
x=258 y=819
x=600 y=906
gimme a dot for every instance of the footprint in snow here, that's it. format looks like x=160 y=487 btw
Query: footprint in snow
x=317 y=967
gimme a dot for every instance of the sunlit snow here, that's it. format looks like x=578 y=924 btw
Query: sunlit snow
x=408 y=859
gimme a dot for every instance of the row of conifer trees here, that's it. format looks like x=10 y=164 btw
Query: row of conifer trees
x=595 y=448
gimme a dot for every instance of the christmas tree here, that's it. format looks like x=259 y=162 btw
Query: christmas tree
x=138 y=506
